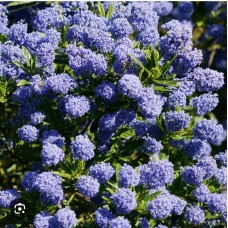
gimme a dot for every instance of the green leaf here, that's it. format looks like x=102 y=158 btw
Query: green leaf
x=110 y=10
x=113 y=185
x=156 y=72
x=126 y=134
x=161 y=89
x=154 y=58
x=106 y=199
x=3 y=100
x=152 y=196
x=139 y=63
x=167 y=65
x=26 y=53
x=17 y=3
x=160 y=123
x=3 y=38
x=170 y=76
x=118 y=167
x=101 y=10
x=167 y=82
x=62 y=174
x=23 y=82
x=110 y=190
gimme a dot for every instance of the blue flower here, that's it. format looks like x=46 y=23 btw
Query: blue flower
x=53 y=137
x=176 y=121
x=88 y=186
x=82 y=148
x=128 y=176
x=194 y=215
x=28 y=133
x=130 y=85
x=61 y=83
x=202 y=193
x=76 y=106
x=64 y=218
x=204 y=103
x=207 y=80
x=196 y=149
x=207 y=130
x=28 y=181
x=107 y=91
x=103 y=172
x=160 y=207
x=152 y=145
x=103 y=216
x=124 y=201
x=9 y=197
x=51 y=154
x=193 y=175
x=217 y=203
x=119 y=222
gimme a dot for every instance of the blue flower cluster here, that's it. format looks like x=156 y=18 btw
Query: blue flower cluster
x=107 y=113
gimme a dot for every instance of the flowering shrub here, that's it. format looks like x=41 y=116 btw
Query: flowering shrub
x=106 y=118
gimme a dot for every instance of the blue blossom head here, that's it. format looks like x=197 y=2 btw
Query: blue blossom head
x=177 y=38
x=88 y=186
x=222 y=158
x=124 y=201
x=103 y=172
x=193 y=175
x=207 y=80
x=196 y=149
x=204 y=103
x=103 y=216
x=82 y=148
x=28 y=181
x=221 y=175
x=28 y=133
x=157 y=173
x=49 y=186
x=43 y=219
x=208 y=164
x=120 y=222
x=217 y=203
x=151 y=145
x=51 y=154
x=160 y=207
x=65 y=218
x=178 y=205
x=120 y=27
x=186 y=61
x=84 y=61
x=9 y=197
x=176 y=121
x=149 y=103
x=163 y=8
x=216 y=31
x=128 y=176
x=130 y=85
x=177 y=98
x=207 y=130
x=37 y=118
x=61 y=83
x=202 y=193
x=22 y=94
x=144 y=223
x=185 y=10
x=194 y=215
x=140 y=127
x=53 y=137
x=107 y=91
x=76 y=106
